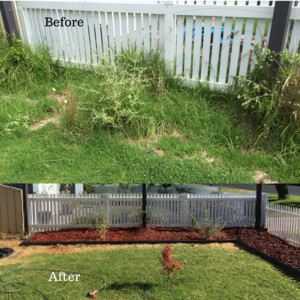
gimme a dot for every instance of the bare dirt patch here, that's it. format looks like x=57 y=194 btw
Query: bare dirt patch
x=262 y=177
x=227 y=246
x=210 y=159
x=43 y=123
x=202 y=154
x=60 y=97
x=23 y=254
x=158 y=152
x=147 y=142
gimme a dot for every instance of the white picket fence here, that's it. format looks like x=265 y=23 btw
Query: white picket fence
x=284 y=222
x=182 y=31
x=47 y=212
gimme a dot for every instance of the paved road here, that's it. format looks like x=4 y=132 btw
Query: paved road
x=267 y=188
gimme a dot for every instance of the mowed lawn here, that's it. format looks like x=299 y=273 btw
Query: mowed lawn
x=135 y=272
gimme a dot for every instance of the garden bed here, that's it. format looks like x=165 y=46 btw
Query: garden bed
x=133 y=234
x=261 y=243
x=266 y=244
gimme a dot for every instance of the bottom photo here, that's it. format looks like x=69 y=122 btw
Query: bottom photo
x=149 y=241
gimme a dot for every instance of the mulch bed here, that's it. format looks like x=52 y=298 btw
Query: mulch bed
x=260 y=241
x=129 y=234
x=271 y=246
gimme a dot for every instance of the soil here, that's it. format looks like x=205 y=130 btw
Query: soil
x=271 y=246
x=259 y=240
x=130 y=234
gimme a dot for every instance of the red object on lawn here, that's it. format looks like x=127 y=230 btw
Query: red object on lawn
x=93 y=294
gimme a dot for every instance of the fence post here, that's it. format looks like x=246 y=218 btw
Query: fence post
x=10 y=25
x=184 y=212
x=25 y=207
x=264 y=210
x=168 y=38
x=280 y=25
x=258 y=205
x=107 y=211
x=144 y=204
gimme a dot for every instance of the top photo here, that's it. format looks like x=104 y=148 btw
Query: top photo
x=150 y=91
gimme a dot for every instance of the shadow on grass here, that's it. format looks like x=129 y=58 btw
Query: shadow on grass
x=137 y=285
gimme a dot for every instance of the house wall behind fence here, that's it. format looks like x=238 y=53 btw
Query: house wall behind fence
x=164 y=210
x=175 y=29
x=11 y=210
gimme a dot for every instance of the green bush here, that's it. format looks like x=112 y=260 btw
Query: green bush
x=273 y=97
x=118 y=97
x=21 y=67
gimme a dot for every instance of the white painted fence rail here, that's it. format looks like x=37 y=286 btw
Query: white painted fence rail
x=284 y=222
x=164 y=210
x=206 y=42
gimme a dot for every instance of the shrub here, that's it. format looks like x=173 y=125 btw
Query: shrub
x=155 y=70
x=208 y=229
x=97 y=220
x=119 y=99
x=21 y=67
x=273 y=98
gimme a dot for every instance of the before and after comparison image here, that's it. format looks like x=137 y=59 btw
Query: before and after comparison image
x=149 y=149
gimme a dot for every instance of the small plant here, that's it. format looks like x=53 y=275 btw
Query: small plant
x=17 y=125
x=208 y=229
x=169 y=264
x=102 y=228
x=100 y=224
x=118 y=102
x=97 y=221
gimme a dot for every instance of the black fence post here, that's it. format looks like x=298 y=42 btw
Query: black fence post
x=279 y=29
x=280 y=25
x=258 y=206
x=9 y=19
x=25 y=212
x=144 y=205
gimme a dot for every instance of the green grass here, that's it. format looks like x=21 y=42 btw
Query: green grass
x=294 y=200
x=170 y=133
x=136 y=273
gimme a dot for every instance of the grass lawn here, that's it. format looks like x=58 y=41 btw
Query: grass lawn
x=126 y=125
x=292 y=201
x=135 y=272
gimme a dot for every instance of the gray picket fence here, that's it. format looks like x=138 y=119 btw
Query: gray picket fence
x=284 y=222
x=48 y=212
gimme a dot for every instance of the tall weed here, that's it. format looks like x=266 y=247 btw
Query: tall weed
x=273 y=97
x=21 y=68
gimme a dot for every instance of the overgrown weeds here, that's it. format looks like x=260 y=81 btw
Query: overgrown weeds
x=135 y=97
x=21 y=68
x=271 y=93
